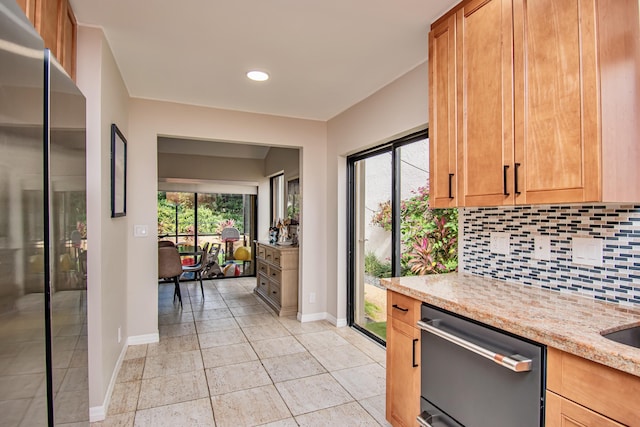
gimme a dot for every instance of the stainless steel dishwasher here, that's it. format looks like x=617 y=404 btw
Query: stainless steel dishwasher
x=474 y=375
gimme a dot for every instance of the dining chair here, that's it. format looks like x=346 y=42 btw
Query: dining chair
x=170 y=267
x=198 y=265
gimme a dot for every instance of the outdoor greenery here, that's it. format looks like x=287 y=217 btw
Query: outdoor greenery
x=215 y=211
x=429 y=237
x=378 y=328
x=376 y=268
x=371 y=310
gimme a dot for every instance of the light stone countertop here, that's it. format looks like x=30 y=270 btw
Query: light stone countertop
x=565 y=321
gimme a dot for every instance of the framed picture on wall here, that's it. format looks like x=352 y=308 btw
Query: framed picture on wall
x=118 y=173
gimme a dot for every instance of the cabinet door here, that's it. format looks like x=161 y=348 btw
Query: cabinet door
x=442 y=119
x=556 y=101
x=403 y=373
x=484 y=65
x=29 y=9
x=561 y=412
x=67 y=39
x=47 y=14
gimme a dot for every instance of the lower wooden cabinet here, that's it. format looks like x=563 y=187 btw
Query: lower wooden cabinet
x=277 y=277
x=403 y=360
x=562 y=412
x=587 y=394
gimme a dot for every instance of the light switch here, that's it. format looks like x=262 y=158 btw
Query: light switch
x=140 y=231
x=586 y=251
x=500 y=243
x=542 y=248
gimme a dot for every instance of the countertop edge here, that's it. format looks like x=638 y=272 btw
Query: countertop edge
x=543 y=335
x=276 y=246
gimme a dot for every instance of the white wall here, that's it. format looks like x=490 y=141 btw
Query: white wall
x=282 y=159
x=398 y=109
x=99 y=79
x=209 y=167
x=286 y=160
x=150 y=119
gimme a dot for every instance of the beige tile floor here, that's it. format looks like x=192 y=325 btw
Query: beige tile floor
x=228 y=361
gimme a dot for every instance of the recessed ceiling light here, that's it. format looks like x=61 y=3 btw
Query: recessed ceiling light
x=258 y=76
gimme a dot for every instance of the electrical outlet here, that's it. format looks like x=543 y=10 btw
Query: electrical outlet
x=500 y=243
x=542 y=248
x=312 y=297
x=119 y=334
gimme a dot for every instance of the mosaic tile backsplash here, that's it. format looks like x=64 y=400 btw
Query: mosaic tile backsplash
x=618 y=280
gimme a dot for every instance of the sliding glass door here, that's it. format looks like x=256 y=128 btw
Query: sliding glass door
x=193 y=219
x=388 y=204
x=373 y=248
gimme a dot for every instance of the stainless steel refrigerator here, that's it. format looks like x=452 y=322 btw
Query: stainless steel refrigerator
x=43 y=241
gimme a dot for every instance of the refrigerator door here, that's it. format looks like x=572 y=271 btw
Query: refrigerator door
x=23 y=385
x=68 y=247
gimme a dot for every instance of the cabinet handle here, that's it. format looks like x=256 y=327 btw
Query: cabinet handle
x=397 y=307
x=516 y=178
x=415 y=365
x=450 y=186
x=504 y=179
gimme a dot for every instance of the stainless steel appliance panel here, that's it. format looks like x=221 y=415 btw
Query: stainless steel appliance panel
x=462 y=377
x=23 y=391
x=68 y=235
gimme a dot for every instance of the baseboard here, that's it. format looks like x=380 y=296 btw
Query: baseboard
x=322 y=316
x=144 y=339
x=311 y=317
x=99 y=413
x=339 y=323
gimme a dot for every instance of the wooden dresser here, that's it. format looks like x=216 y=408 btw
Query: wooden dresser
x=277 y=277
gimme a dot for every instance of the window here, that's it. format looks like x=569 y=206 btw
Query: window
x=277 y=198
x=193 y=219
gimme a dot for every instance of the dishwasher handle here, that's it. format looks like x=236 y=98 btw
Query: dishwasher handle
x=425 y=419
x=516 y=362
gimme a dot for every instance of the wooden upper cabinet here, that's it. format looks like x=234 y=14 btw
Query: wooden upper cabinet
x=546 y=102
x=29 y=9
x=47 y=17
x=67 y=39
x=443 y=176
x=556 y=101
x=484 y=100
x=55 y=22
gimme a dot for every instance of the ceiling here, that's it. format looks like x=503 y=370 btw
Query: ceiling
x=323 y=56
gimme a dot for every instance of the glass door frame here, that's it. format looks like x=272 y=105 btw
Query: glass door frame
x=396 y=251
